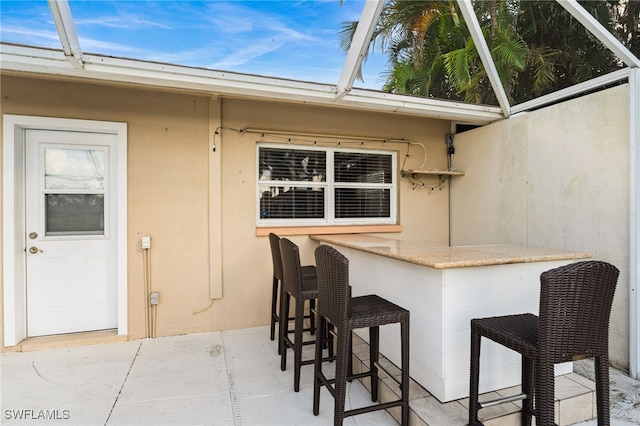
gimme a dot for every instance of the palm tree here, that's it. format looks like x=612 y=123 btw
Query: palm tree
x=561 y=52
x=537 y=47
x=405 y=32
x=626 y=15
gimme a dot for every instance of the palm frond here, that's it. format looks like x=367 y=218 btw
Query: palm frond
x=510 y=49
x=456 y=63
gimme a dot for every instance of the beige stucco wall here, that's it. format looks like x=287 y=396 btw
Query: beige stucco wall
x=557 y=177
x=168 y=187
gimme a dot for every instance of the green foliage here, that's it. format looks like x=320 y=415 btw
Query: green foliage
x=536 y=46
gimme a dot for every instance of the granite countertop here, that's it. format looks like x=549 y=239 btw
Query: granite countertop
x=445 y=257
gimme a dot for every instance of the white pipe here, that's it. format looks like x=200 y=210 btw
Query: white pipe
x=634 y=222
x=322 y=135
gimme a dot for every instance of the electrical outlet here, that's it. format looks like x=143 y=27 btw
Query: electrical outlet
x=145 y=243
x=154 y=298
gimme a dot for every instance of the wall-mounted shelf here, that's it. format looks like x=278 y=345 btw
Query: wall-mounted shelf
x=418 y=172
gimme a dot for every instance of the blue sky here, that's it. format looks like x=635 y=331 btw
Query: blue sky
x=280 y=38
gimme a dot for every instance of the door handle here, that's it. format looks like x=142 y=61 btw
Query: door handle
x=34 y=250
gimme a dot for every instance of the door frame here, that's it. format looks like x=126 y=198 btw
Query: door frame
x=13 y=215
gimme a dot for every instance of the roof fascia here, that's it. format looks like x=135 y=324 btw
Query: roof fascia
x=409 y=105
x=485 y=55
x=359 y=45
x=600 y=32
x=61 y=13
x=25 y=59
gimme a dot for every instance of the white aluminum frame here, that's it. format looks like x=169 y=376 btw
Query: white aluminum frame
x=600 y=32
x=63 y=19
x=471 y=20
x=572 y=91
x=359 y=45
x=634 y=222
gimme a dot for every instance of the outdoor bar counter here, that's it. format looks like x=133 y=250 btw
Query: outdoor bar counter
x=444 y=288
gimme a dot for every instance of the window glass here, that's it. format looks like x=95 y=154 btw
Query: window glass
x=362 y=203
x=74 y=214
x=292 y=203
x=325 y=186
x=73 y=169
x=74 y=191
x=362 y=167
x=292 y=165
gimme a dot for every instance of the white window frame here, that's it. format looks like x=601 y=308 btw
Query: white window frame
x=329 y=186
x=105 y=192
x=13 y=261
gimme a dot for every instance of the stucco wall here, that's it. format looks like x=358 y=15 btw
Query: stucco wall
x=557 y=177
x=168 y=184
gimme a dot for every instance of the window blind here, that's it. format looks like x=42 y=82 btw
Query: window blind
x=325 y=185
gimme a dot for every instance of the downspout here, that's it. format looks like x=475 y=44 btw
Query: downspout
x=634 y=222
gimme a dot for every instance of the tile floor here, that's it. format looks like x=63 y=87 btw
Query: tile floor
x=220 y=378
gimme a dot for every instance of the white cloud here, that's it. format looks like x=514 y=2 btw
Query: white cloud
x=115 y=49
x=244 y=55
x=31 y=34
x=120 y=22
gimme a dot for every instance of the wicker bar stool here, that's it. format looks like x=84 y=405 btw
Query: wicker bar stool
x=573 y=322
x=337 y=308
x=301 y=289
x=308 y=272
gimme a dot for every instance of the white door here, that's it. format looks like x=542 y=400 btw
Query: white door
x=70 y=240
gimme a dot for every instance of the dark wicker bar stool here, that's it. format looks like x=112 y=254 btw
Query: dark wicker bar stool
x=295 y=285
x=308 y=272
x=573 y=322
x=337 y=308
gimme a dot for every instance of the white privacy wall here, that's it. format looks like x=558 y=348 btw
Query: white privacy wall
x=557 y=178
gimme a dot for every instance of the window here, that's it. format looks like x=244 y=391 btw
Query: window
x=325 y=186
x=74 y=191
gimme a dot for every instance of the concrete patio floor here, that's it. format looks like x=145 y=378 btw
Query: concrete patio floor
x=219 y=378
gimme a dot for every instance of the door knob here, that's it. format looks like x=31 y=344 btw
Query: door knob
x=34 y=250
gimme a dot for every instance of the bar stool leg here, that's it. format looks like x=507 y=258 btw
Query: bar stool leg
x=404 y=337
x=350 y=358
x=602 y=389
x=544 y=392
x=284 y=328
x=474 y=379
x=374 y=355
x=317 y=367
x=312 y=318
x=527 y=389
x=297 y=344
x=274 y=305
x=340 y=384
x=329 y=336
